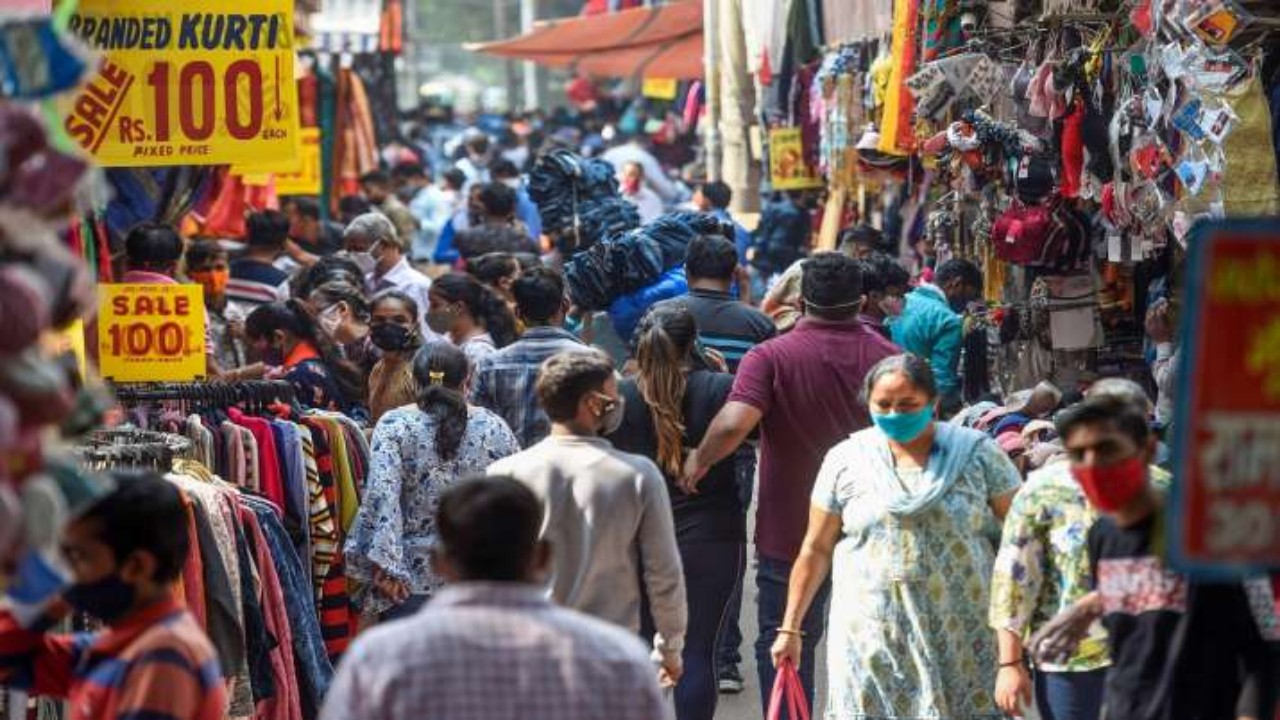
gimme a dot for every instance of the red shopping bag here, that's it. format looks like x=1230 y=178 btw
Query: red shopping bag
x=787 y=688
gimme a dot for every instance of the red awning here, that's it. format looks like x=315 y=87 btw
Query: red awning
x=661 y=41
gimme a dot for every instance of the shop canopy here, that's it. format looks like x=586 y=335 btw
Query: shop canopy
x=663 y=41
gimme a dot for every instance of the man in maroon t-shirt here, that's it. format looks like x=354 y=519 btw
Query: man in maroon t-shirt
x=804 y=391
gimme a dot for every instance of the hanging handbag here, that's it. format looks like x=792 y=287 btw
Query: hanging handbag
x=787 y=689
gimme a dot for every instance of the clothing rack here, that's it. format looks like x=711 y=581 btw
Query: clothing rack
x=131 y=447
x=255 y=395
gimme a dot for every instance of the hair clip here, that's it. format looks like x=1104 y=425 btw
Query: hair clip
x=436 y=377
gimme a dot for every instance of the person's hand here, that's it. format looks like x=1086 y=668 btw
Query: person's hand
x=1158 y=325
x=394 y=590
x=716 y=360
x=670 y=670
x=1013 y=689
x=693 y=473
x=786 y=646
x=1058 y=639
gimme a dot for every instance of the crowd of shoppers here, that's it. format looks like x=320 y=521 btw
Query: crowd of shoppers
x=548 y=530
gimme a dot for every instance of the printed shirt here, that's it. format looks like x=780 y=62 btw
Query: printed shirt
x=395 y=526
x=1043 y=563
x=481 y=651
x=157 y=664
x=504 y=380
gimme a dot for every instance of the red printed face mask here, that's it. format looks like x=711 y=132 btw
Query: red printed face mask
x=1111 y=487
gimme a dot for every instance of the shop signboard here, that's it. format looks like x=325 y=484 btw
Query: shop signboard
x=207 y=83
x=660 y=88
x=151 y=332
x=300 y=176
x=1225 y=500
x=788 y=169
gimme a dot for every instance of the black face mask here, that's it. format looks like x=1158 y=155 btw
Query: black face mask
x=393 y=338
x=107 y=599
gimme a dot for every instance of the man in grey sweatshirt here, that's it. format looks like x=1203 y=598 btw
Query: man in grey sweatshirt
x=608 y=518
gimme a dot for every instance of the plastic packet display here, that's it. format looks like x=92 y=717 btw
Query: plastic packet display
x=36 y=61
x=1217 y=22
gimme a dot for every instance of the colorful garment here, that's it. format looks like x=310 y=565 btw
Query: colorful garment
x=1042 y=566
x=317 y=389
x=396 y=524
x=909 y=586
x=156 y=663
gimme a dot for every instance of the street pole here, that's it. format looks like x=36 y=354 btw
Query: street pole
x=711 y=85
x=528 y=15
x=500 y=31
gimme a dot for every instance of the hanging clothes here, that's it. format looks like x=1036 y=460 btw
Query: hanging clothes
x=897 y=136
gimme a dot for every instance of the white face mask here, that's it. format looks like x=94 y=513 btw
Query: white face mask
x=330 y=319
x=364 y=260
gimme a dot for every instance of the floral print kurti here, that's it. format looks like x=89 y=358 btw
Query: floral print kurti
x=396 y=524
x=907 y=637
x=1043 y=564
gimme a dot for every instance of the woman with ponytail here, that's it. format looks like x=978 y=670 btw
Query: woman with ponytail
x=471 y=315
x=669 y=406
x=417 y=452
x=286 y=335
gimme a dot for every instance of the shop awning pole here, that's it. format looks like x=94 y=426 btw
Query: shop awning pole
x=529 y=14
x=711 y=83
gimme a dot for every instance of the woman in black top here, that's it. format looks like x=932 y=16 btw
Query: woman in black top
x=669 y=406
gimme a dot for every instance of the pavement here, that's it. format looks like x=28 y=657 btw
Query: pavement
x=746 y=704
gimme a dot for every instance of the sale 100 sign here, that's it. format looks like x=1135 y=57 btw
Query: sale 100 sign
x=151 y=332
x=183 y=83
x=1226 y=489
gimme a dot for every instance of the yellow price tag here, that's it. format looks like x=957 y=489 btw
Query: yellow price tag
x=151 y=333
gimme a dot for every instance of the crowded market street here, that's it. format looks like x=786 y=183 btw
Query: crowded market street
x=639 y=359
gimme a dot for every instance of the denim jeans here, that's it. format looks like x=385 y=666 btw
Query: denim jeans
x=729 y=651
x=772 y=577
x=1070 y=695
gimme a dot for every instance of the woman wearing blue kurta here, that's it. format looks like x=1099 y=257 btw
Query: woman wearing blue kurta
x=907 y=512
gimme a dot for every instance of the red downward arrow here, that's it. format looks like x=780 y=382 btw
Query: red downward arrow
x=279 y=108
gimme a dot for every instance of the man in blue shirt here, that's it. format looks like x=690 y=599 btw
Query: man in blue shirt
x=714 y=197
x=505 y=172
x=932 y=327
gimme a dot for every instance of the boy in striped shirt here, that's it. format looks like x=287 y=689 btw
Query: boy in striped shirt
x=153 y=660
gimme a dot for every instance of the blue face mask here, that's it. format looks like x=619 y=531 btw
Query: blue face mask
x=903 y=427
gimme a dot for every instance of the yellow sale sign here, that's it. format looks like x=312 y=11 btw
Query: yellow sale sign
x=151 y=333
x=307 y=180
x=302 y=176
x=207 y=83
